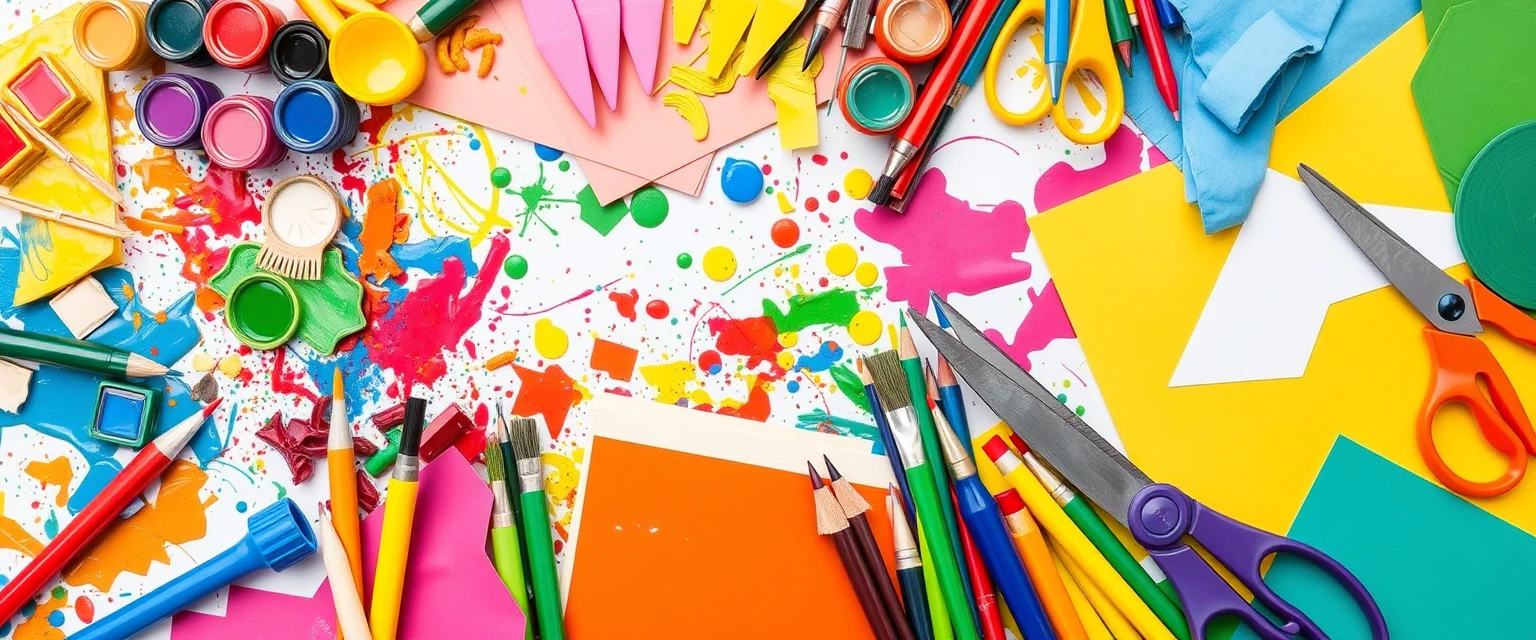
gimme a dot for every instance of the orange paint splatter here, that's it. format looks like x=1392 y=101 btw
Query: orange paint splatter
x=551 y=392
x=177 y=516
x=150 y=226
x=15 y=538
x=614 y=358
x=54 y=472
x=216 y=208
x=160 y=317
x=37 y=627
x=625 y=302
x=378 y=233
x=500 y=360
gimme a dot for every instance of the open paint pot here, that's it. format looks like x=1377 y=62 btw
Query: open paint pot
x=111 y=36
x=876 y=95
x=125 y=413
x=172 y=108
x=48 y=93
x=375 y=58
x=175 y=31
x=263 y=311
x=237 y=33
x=314 y=116
x=239 y=133
x=298 y=52
x=912 y=31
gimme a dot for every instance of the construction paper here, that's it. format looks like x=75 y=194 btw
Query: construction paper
x=1289 y=264
x=1477 y=80
x=1434 y=13
x=685 y=19
x=641 y=21
x=15 y=384
x=1134 y=270
x=600 y=21
x=57 y=255
x=558 y=35
x=1438 y=566
x=772 y=20
x=726 y=31
x=703 y=525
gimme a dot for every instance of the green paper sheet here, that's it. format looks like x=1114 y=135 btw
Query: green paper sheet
x=1434 y=14
x=331 y=307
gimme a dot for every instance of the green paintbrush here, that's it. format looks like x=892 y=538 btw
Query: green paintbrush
x=506 y=546
x=541 y=545
x=896 y=399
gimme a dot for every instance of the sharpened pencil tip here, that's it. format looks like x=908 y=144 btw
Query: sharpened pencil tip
x=1175 y=116
x=832 y=473
x=816 y=482
x=1125 y=54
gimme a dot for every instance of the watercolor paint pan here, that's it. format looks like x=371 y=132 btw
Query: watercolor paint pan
x=18 y=152
x=125 y=413
x=46 y=92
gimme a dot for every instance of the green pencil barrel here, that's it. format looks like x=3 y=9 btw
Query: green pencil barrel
x=935 y=455
x=541 y=564
x=938 y=615
x=1092 y=526
x=1119 y=20
x=509 y=565
x=436 y=15
x=63 y=352
x=925 y=498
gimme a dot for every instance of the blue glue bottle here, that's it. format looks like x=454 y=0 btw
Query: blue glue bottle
x=279 y=537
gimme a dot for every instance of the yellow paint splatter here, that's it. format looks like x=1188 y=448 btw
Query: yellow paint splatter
x=857 y=184
x=231 y=365
x=841 y=259
x=202 y=362
x=15 y=538
x=670 y=379
x=785 y=206
x=55 y=472
x=179 y=515
x=789 y=340
x=865 y=328
x=786 y=360
x=867 y=273
x=560 y=477
x=551 y=341
x=719 y=264
x=691 y=109
x=1090 y=101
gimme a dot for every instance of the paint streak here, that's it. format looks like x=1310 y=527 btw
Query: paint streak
x=14 y=537
x=936 y=228
x=550 y=392
x=833 y=307
x=217 y=207
x=625 y=303
x=819 y=420
x=755 y=339
x=826 y=356
x=177 y=516
x=1046 y=321
x=1062 y=183
x=55 y=472
x=378 y=232
x=849 y=384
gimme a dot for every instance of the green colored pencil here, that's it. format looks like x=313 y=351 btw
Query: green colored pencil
x=541 y=544
x=506 y=545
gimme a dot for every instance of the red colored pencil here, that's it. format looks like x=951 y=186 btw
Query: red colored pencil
x=99 y=516
x=1157 y=56
x=987 y=608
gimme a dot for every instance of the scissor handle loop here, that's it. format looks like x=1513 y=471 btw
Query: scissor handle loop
x=1114 y=98
x=989 y=74
x=1458 y=361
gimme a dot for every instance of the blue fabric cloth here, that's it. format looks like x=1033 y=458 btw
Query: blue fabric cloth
x=1238 y=63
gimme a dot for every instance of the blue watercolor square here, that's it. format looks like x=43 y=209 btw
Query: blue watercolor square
x=125 y=414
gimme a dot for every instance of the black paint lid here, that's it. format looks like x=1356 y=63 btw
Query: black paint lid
x=299 y=51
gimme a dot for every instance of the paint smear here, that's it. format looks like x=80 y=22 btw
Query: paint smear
x=551 y=341
x=692 y=111
x=1046 y=321
x=378 y=235
x=231 y=365
x=741 y=180
x=719 y=264
x=671 y=379
x=40 y=625
x=833 y=307
x=551 y=393
x=755 y=339
x=865 y=327
x=1062 y=183
x=177 y=516
x=785 y=206
x=849 y=384
x=55 y=472
x=793 y=92
x=16 y=538
x=217 y=207
x=841 y=259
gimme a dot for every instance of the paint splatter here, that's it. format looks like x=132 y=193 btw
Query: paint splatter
x=1062 y=183
x=56 y=472
x=615 y=359
x=684 y=261
x=501 y=177
x=741 y=180
x=177 y=516
x=936 y=228
x=217 y=207
x=602 y=218
x=547 y=154
x=756 y=339
x=865 y=327
x=649 y=207
x=551 y=341
x=719 y=264
x=14 y=537
x=551 y=393
x=867 y=274
x=785 y=232
x=380 y=221
x=841 y=259
x=671 y=380
x=834 y=307
x=41 y=625
x=657 y=309
x=1046 y=321
x=625 y=303
x=826 y=356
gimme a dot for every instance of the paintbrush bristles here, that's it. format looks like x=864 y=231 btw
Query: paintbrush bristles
x=829 y=514
x=495 y=464
x=524 y=436
x=890 y=381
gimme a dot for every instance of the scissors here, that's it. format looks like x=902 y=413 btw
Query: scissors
x=1455 y=311
x=1158 y=515
x=1091 y=51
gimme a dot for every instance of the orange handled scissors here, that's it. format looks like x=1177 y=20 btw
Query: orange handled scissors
x=1091 y=51
x=1456 y=312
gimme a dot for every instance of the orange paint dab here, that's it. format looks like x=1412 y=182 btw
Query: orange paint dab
x=614 y=358
x=178 y=515
x=500 y=360
x=380 y=231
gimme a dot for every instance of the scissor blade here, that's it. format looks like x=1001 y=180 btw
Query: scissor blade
x=1424 y=285
x=1066 y=442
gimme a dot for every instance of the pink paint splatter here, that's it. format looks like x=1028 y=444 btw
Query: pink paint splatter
x=937 y=227
x=1045 y=321
x=1122 y=159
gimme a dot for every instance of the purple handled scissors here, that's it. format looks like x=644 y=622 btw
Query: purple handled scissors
x=1158 y=515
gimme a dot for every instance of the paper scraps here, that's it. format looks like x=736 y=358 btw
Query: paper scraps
x=793 y=91
x=381 y=220
x=301 y=441
x=691 y=108
x=15 y=381
x=83 y=306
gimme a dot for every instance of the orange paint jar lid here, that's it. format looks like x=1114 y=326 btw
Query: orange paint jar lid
x=110 y=34
x=912 y=31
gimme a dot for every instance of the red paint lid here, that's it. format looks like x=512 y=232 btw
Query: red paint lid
x=237 y=32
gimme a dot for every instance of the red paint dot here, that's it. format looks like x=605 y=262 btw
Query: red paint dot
x=767 y=170
x=834 y=196
x=823 y=282
x=657 y=309
x=708 y=361
x=85 y=609
x=824 y=218
x=819 y=159
x=785 y=233
x=812 y=204
x=843 y=155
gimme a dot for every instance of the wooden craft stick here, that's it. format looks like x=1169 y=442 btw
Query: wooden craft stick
x=57 y=148
x=65 y=218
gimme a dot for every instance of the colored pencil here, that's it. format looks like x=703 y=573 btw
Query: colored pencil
x=891 y=382
x=399 y=519
x=854 y=507
x=1058 y=24
x=66 y=218
x=830 y=521
x=1157 y=56
x=350 y=617
x=102 y=513
x=1114 y=622
x=536 y=534
x=58 y=149
x=954 y=404
x=989 y=612
x=1120 y=30
x=909 y=568
x=343 y=476
x=1030 y=542
x=84 y=355
x=506 y=544
x=887 y=442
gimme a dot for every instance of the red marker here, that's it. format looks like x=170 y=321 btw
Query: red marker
x=1157 y=56
x=99 y=516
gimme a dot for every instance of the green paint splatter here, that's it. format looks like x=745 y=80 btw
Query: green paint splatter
x=800 y=250
x=649 y=207
x=565 y=165
x=684 y=261
x=536 y=198
x=849 y=384
x=819 y=420
x=282 y=491
x=501 y=177
x=834 y=307
x=59 y=592
x=516 y=266
x=602 y=219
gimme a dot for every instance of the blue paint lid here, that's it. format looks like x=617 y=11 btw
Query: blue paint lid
x=314 y=116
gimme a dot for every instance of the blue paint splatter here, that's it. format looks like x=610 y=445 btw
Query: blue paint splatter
x=714 y=369
x=51 y=525
x=56 y=618
x=547 y=154
x=741 y=180
x=474 y=144
x=793 y=386
x=241 y=506
x=825 y=357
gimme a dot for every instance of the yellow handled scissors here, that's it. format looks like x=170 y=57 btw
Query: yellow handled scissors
x=1091 y=51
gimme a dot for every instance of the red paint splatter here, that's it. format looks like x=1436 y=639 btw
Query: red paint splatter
x=767 y=170
x=1122 y=159
x=709 y=360
x=614 y=358
x=756 y=339
x=812 y=204
x=1045 y=321
x=843 y=155
x=785 y=233
x=819 y=159
x=550 y=392
x=625 y=302
x=224 y=206
x=350 y=181
x=411 y=338
x=85 y=609
x=657 y=309
x=285 y=382
x=833 y=196
x=373 y=126
x=758 y=405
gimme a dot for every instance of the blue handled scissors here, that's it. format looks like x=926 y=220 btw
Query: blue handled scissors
x=1158 y=515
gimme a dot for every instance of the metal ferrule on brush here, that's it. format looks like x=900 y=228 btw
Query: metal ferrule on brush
x=907 y=556
x=407 y=468
x=909 y=442
x=530 y=474
x=960 y=463
x=1059 y=490
x=956 y=95
x=901 y=153
x=501 y=513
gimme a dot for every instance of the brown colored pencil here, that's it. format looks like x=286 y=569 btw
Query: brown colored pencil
x=854 y=506
x=830 y=521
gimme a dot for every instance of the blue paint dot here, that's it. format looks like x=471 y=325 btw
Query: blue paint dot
x=793 y=386
x=474 y=144
x=28 y=609
x=241 y=506
x=4 y=580
x=5 y=629
x=56 y=619
x=714 y=369
x=741 y=180
x=547 y=154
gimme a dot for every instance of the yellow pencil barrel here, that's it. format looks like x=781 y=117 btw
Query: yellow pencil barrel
x=394 y=551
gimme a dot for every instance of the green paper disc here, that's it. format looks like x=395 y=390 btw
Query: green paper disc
x=1496 y=215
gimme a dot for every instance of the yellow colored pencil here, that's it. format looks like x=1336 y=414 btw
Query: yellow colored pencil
x=399 y=516
x=1109 y=614
x=1080 y=603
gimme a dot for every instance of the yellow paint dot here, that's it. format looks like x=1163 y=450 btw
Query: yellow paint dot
x=719 y=264
x=841 y=259
x=786 y=360
x=867 y=273
x=549 y=339
x=231 y=365
x=857 y=184
x=202 y=362
x=789 y=340
x=865 y=328
x=785 y=206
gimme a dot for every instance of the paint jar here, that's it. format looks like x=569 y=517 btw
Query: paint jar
x=263 y=311
x=174 y=29
x=876 y=95
x=314 y=116
x=238 y=32
x=375 y=58
x=912 y=31
x=298 y=52
x=171 y=110
x=110 y=35
x=239 y=133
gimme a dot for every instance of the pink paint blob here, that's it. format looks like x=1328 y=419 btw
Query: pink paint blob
x=1045 y=321
x=1122 y=159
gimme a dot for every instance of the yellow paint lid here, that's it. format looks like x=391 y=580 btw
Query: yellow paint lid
x=375 y=59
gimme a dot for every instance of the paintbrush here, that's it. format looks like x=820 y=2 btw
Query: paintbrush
x=511 y=482
x=909 y=567
x=57 y=148
x=831 y=521
x=854 y=506
x=506 y=544
x=887 y=441
x=399 y=521
x=66 y=218
x=891 y=383
x=524 y=434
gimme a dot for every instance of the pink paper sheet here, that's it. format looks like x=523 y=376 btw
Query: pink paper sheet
x=641 y=20
x=600 y=29
x=452 y=591
x=559 y=37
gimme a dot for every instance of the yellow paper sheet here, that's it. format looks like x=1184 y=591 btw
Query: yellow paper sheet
x=55 y=255
x=1134 y=270
x=793 y=92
